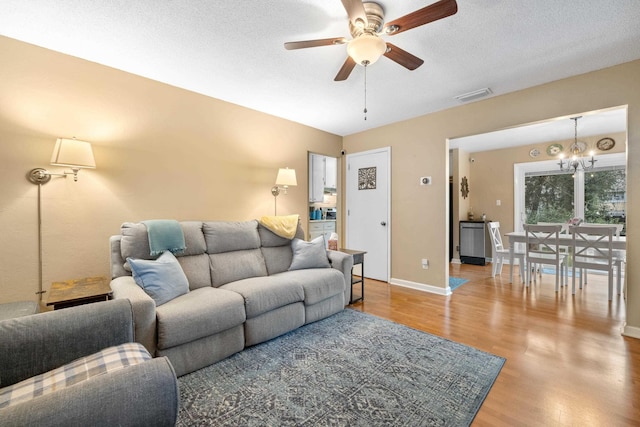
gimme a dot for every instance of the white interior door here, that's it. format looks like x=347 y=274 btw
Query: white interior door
x=368 y=213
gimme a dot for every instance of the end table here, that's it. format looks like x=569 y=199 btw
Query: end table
x=79 y=291
x=358 y=258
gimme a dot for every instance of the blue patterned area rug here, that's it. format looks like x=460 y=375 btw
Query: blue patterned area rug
x=455 y=282
x=351 y=369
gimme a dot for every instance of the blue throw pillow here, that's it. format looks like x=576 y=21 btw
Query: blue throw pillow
x=162 y=279
x=309 y=254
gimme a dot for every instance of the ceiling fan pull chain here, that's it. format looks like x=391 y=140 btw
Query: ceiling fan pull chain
x=365 y=63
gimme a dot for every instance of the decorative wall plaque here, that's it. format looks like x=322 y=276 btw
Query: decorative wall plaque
x=367 y=178
x=464 y=187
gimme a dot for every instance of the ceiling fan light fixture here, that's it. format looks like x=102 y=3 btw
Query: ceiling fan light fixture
x=366 y=49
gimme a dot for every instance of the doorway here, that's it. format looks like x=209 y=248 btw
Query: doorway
x=489 y=162
x=368 y=213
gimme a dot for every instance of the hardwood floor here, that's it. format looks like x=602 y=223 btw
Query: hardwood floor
x=567 y=363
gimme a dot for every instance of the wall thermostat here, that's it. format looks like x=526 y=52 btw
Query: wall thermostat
x=425 y=180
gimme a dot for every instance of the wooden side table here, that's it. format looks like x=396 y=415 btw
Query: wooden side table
x=78 y=292
x=358 y=258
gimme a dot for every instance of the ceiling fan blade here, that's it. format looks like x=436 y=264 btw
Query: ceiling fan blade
x=346 y=69
x=431 y=13
x=314 y=43
x=355 y=10
x=402 y=57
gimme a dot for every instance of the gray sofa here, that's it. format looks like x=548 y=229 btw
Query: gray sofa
x=241 y=292
x=132 y=394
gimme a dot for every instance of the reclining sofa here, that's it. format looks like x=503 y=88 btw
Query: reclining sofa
x=241 y=290
x=80 y=367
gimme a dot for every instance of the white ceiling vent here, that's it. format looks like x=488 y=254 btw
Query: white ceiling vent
x=470 y=96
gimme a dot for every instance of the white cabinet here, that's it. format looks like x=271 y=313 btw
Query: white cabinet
x=316 y=177
x=322 y=228
x=331 y=173
x=323 y=174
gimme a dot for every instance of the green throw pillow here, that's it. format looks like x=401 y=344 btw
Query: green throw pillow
x=162 y=279
x=309 y=254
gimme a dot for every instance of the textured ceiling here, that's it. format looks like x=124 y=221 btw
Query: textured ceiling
x=233 y=50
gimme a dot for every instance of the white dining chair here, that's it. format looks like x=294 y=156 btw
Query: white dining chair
x=542 y=248
x=500 y=252
x=619 y=257
x=592 y=250
x=564 y=230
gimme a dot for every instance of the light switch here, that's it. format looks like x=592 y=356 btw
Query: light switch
x=498 y=202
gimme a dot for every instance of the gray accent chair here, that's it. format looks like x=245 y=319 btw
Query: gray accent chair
x=142 y=394
x=240 y=291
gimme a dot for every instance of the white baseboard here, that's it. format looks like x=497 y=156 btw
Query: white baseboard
x=455 y=261
x=631 y=331
x=421 y=286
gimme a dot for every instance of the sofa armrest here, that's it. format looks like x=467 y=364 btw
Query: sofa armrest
x=144 y=310
x=32 y=345
x=117 y=263
x=143 y=394
x=344 y=263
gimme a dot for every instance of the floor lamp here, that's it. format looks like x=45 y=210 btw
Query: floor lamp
x=285 y=178
x=67 y=152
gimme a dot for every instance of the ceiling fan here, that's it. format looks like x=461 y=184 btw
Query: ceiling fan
x=366 y=24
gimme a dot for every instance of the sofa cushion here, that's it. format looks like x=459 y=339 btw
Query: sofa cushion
x=231 y=266
x=231 y=236
x=262 y=294
x=277 y=258
x=11 y=310
x=196 y=268
x=108 y=360
x=276 y=250
x=318 y=284
x=135 y=240
x=198 y=314
x=162 y=279
x=269 y=239
x=309 y=254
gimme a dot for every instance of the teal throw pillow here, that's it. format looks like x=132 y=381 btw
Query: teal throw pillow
x=309 y=254
x=162 y=279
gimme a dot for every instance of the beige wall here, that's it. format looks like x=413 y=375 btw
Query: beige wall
x=161 y=152
x=166 y=152
x=419 y=148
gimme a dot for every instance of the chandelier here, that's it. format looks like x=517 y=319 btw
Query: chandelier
x=577 y=160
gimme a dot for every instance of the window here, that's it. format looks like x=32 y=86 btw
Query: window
x=544 y=194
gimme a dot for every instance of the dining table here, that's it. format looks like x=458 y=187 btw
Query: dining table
x=618 y=243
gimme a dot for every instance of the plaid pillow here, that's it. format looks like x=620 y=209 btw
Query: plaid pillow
x=108 y=360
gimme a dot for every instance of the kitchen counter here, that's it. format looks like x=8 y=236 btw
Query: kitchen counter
x=322 y=220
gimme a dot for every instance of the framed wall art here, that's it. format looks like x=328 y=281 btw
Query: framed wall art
x=367 y=178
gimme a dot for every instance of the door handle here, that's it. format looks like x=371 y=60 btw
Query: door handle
x=383 y=224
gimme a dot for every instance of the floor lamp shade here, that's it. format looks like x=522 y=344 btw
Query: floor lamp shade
x=286 y=177
x=73 y=153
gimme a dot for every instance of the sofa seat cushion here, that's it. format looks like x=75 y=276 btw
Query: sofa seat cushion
x=200 y=313
x=318 y=284
x=262 y=294
x=108 y=360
